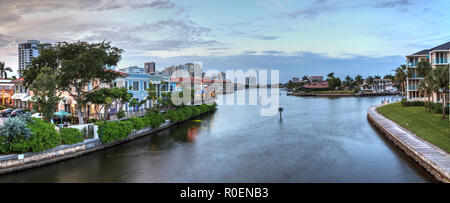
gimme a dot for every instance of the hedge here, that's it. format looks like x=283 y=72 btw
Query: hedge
x=44 y=136
x=434 y=107
x=70 y=135
x=118 y=130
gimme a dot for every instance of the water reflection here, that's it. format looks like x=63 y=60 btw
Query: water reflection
x=318 y=140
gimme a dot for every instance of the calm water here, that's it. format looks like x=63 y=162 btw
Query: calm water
x=318 y=140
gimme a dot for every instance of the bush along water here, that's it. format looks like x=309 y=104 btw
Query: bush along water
x=25 y=134
x=118 y=130
x=434 y=107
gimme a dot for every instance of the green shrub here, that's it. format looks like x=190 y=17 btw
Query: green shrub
x=4 y=148
x=404 y=102
x=172 y=116
x=44 y=135
x=121 y=114
x=137 y=122
x=115 y=130
x=15 y=134
x=71 y=135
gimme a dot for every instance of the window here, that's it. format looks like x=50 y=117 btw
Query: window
x=145 y=85
x=135 y=86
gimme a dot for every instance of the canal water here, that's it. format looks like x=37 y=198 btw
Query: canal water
x=318 y=140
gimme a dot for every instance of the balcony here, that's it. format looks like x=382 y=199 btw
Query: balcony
x=413 y=87
x=412 y=64
x=439 y=61
x=416 y=77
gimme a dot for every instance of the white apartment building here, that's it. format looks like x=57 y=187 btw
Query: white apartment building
x=437 y=56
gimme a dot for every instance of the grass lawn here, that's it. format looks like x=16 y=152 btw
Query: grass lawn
x=333 y=92
x=428 y=126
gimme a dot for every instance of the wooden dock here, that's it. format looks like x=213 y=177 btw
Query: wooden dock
x=435 y=160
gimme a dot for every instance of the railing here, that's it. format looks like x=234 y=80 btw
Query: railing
x=440 y=61
x=413 y=87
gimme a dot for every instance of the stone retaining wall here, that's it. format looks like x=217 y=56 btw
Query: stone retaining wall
x=18 y=162
x=434 y=160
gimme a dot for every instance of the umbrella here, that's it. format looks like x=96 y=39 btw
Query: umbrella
x=62 y=114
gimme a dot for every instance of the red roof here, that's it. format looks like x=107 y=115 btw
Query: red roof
x=121 y=73
x=18 y=80
x=317 y=85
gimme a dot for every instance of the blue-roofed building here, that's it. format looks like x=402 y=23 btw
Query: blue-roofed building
x=136 y=82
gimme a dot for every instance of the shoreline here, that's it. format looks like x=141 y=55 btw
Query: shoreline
x=340 y=95
x=433 y=159
x=11 y=163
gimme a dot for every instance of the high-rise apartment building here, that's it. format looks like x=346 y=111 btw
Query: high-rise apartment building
x=150 y=67
x=27 y=51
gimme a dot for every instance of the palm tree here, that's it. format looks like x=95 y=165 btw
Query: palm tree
x=440 y=77
x=348 y=82
x=305 y=78
x=426 y=87
x=330 y=81
x=400 y=77
x=423 y=68
x=370 y=81
x=3 y=70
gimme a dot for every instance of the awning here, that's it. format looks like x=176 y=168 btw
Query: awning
x=19 y=96
x=27 y=98
x=155 y=82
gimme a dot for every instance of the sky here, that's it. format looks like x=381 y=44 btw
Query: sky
x=296 y=37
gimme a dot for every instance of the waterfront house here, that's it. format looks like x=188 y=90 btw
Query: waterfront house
x=437 y=56
x=378 y=86
x=316 y=79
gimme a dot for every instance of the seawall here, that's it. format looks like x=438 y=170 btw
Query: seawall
x=19 y=162
x=433 y=159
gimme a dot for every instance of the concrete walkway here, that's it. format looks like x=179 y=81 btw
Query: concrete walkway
x=432 y=158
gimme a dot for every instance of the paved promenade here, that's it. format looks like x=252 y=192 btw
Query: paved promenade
x=433 y=159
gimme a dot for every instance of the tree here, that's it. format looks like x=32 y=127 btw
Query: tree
x=3 y=70
x=370 y=81
x=45 y=92
x=423 y=68
x=349 y=82
x=306 y=78
x=440 y=77
x=426 y=87
x=152 y=94
x=106 y=97
x=82 y=63
x=331 y=81
x=377 y=77
x=400 y=77
x=359 y=80
x=133 y=103
x=41 y=76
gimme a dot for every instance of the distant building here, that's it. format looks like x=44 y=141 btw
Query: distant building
x=378 y=86
x=316 y=79
x=134 y=69
x=27 y=52
x=150 y=67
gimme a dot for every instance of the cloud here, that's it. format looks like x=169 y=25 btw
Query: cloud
x=12 y=10
x=392 y=3
x=314 y=9
x=273 y=52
